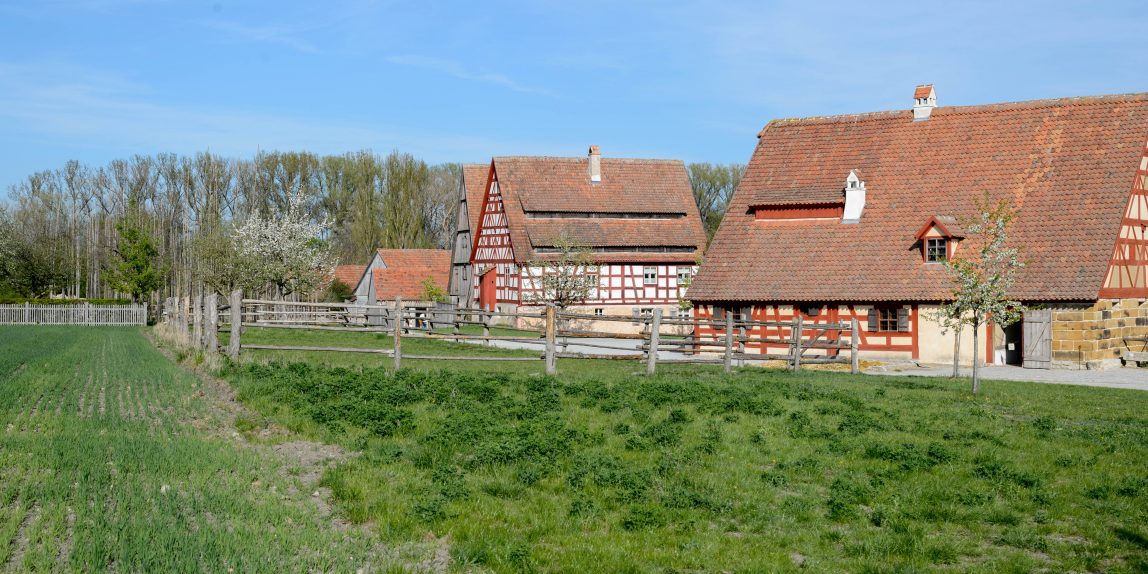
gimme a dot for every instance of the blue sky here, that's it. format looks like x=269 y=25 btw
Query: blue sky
x=96 y=80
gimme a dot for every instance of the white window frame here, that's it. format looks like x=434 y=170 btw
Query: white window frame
x=649 y=275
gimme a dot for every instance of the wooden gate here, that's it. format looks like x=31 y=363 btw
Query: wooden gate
x=1037 y=339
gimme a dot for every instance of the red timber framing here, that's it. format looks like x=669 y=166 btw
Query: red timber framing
x=891 y=341
x=1128 y=270
x=626 y=284
x=492 y=246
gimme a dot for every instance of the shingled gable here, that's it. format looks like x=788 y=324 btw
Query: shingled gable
x=1067 y=165
x=642 y=210
x=474 y=176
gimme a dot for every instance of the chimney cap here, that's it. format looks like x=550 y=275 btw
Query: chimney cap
x=923 y=91
x=594 y=150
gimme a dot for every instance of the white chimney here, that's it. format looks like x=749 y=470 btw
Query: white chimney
x=854 y=197
x=924 y=100
x=595 y=164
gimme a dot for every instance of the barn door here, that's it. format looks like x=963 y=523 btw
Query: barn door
x=1037 y=339
x=488 y=290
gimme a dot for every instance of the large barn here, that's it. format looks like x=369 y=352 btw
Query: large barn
x=637 y=218
x=852 y=217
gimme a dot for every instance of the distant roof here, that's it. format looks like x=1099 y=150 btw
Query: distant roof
x=1067 y=165
x=474 y=177
x=651 y=199
x=406 y=269
x=350 y=274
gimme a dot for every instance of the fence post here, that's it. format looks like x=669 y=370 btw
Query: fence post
x=741 y=331
x=797 y=332
x=27 y=313
x=485 y=327
x=652 y=352
x=854 y=358
x=551 y=364
x=211 y=309
x=454 y=322
x=197 y=321
x=727 y=362
x=236 y=323
x=398 y=321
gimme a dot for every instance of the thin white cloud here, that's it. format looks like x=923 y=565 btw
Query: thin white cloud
x=457 y=70
x=281 y=35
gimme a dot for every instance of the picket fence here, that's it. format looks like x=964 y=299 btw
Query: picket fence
x=78 y=314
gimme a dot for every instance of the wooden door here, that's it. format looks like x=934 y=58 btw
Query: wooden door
x=1037 y=339
x=488 y=290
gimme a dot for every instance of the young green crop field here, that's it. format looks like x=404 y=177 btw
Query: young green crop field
x=601 y=469
x=114 y=459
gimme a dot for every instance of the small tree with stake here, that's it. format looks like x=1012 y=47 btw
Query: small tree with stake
x=565 y=280
x=984 y=277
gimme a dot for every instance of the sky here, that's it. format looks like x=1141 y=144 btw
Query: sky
x=97 y=80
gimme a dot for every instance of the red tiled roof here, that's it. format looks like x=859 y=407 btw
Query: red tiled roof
x=1067 y=165
x=474 y=177
x=922 y=91
x=350 y=274
x=406 y=269
x=628 y=186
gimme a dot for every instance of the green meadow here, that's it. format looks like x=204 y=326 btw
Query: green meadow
x=114 y=458
x=604 y=469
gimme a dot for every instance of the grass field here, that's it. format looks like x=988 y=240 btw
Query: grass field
x=601 y=469
x=114 y=459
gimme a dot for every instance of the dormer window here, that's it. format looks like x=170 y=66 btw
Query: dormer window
x=936 y=250
x=938 y=238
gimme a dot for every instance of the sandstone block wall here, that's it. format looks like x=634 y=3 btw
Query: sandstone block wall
x=1094 y=336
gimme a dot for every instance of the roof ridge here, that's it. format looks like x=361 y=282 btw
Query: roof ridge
x=973 y=108
x=583 y=158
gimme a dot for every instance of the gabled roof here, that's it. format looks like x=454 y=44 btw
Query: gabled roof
x=651 y=202
x=1067 y=165
x=406 y=269
x=946 y=224
x=474 y=177
x=922 y=91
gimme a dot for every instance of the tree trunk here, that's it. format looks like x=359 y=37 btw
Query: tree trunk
x=957 y=352
x=976 y=357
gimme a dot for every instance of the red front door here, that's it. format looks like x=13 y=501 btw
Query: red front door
x=488 y=290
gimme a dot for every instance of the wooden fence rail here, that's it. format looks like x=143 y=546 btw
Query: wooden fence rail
x=77 y=314
x=202 y=318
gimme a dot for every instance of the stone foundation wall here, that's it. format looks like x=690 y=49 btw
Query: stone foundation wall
x=1092 y=336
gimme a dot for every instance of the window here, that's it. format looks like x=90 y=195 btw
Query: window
x=592 y=279
x=598 y=311
x=889 y=319
x=647 y=312
x=936 y=250
x=683 y=276
x=650 y=275
x=680 y=313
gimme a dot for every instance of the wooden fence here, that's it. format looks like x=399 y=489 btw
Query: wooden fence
x=551 y=331
x=75 y=314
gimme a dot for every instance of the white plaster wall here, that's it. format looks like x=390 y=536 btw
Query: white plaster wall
x=935 y=347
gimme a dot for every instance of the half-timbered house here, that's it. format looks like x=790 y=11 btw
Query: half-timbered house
x=852 y=217
x=636 y=217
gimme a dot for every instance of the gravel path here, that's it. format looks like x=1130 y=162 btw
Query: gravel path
x=1125 y=378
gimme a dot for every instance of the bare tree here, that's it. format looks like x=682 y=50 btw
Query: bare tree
x=566 y=279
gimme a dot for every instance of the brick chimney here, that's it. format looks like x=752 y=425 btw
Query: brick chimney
x=924 y=100
x=595 y=164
